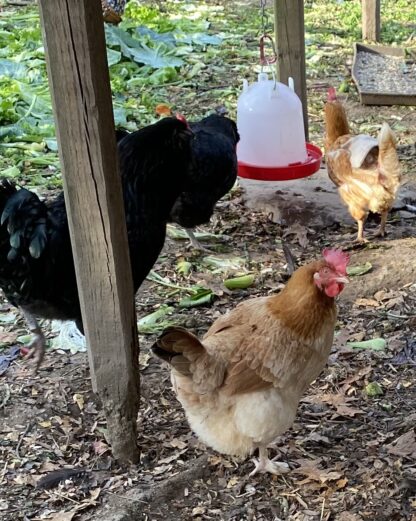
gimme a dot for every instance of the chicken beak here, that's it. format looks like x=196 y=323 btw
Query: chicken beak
x=341 y=279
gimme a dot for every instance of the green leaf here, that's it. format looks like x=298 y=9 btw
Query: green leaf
x=344 y=87
x=155 y=322
x=15 y=130
x=120 y=116
x=12 y=69
x=164 y=75
x=356 y=271
x=113 y=57
x=201 y=297
x=180 y=234
x=155 y=277
x=167 y=38
x=198 y=39
x=183 y=267
x=117 y=36
x=375 y=344
x=11 y=172
x=242 y=282
x=196 y=69
x=206 y=39
x=7 y=318
x=24 y=339
x=157 y=57
x=37 y=97
x=52 y=144
x=223 y=264
x=373 y=389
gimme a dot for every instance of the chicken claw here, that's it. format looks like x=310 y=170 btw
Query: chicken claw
x=360 y=240
x=381 y=232
x=360 y=236
x=36 y=348
x=264 y=464
x=194 y=243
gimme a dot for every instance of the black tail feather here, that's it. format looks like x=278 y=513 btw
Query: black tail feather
x=24 y=216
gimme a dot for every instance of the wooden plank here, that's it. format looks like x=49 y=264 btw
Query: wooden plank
x=371 y=22
x=79 y=81
x=290 y=38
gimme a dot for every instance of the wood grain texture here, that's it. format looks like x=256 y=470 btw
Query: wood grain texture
x=290 y=38
x=371 y=20
x=74 y=41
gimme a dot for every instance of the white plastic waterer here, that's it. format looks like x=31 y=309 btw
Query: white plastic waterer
x=272 y=137
x=270 y=123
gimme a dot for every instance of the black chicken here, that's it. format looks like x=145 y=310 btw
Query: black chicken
x=37 y=271
x=212 y=172
x=210 y=175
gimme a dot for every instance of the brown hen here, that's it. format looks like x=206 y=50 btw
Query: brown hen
x=365 y=170
x=241 y=384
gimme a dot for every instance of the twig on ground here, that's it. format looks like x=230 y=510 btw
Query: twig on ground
x=19 y=443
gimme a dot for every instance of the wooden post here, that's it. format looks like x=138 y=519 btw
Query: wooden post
x=75 y=50
x=371 y=20
x=290 y=38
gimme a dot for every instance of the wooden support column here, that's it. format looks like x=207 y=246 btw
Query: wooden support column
x=290 y=38
x=371 y=20
x=75 y=50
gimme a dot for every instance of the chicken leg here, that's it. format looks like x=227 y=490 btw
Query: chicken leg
x=381 y=232
x=360 y=235
x=195 y=243
x=264 y=464
x=38 y=343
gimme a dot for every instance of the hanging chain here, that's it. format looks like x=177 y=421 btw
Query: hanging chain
x=265 y=36
x=264 y=17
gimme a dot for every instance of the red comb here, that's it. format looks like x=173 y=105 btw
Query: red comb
x=337 y=258
x=332 y=94
x=181 y=117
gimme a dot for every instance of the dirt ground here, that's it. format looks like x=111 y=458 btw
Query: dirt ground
x=352 y=449
x=352 y=456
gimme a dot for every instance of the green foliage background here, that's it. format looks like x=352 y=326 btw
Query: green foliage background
x=190 y=55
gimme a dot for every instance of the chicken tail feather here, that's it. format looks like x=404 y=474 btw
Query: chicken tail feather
x=23 y=220
x=388 y=158
x=178 y=347
x=336 y=122
x=188 y=358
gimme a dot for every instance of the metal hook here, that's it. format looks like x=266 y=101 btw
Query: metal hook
x=267 y=60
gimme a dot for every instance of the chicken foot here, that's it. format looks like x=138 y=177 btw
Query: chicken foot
x=195 y=243
x=264 y=464
x=38 y=343
x=381 y=232
x=360 y=235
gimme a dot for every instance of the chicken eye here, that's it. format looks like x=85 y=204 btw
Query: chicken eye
x=325 y=271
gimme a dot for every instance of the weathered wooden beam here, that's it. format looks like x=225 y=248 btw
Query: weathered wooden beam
x=75 y=50
x=290 y=38
x=371 y=22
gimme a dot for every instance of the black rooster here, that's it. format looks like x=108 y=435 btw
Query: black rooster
x=37 y=271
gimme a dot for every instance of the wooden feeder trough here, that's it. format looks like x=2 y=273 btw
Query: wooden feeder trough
x=384 y=75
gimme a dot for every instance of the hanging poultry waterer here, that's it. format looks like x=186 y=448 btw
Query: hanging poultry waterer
x=272 y=143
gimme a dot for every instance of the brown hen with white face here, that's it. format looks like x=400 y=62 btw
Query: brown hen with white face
x=365 y=170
